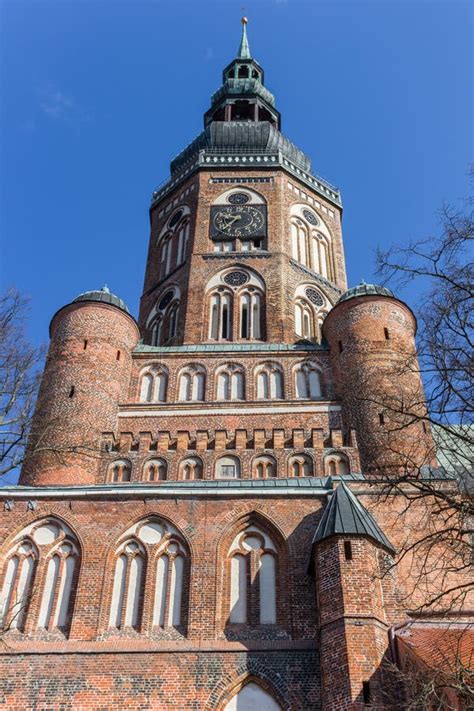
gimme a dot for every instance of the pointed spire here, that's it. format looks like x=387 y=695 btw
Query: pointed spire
x=345 y=515
x=244 y=49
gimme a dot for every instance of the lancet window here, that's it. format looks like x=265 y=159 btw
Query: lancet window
x=310 y=310
x=173 y=241
x=311 y=242
x=269 y=382
x=42 y=563
x=162 y=322
x=307 y=382
x=231 y=383
x=253 y=575
x=192 y=382
x=220 y=315
x=151 y=550
x=120 y=471
x=153 y=384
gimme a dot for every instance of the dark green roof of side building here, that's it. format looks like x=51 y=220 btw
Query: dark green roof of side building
x=344 y=515
x=364 y=289
x=105 y=296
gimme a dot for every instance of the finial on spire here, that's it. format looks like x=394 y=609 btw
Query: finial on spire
x=244 y=49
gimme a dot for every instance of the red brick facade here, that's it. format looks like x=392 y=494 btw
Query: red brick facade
x=158 y=553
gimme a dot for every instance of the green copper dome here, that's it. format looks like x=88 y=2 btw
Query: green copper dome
x=104 y=296
x=364 y=289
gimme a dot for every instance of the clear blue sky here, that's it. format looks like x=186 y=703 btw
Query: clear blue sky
x=98 y=96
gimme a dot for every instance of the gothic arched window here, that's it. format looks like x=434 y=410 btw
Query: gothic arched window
x=162 y=321
x=311 y=242
x=43 y=562
x=269 y=382
x=227 y=468
x=307 y=382
x=191 y=384
x=153 y=384
x=155 y=470
x=119 y=471
x=173 y=241
x=253 y=574
x=230 y=383
x=264 y=467
x=300 y=465
x=190 y=468
x=152 y=550
x=310 y=309
x=250 y=314
x=220 y=315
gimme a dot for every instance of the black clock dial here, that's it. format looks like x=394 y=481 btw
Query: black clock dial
x=238 y=220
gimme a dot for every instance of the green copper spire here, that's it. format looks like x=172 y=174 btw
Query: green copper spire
x=244 y=49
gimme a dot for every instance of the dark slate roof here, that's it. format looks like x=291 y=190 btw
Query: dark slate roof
x=345 y=515
x=234 y=136
x=104 y=296
x=364 y=289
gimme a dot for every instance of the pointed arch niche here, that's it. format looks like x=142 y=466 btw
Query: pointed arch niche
x=254 y=578
x=40 y=578
x=151 y=551
x=252 y=696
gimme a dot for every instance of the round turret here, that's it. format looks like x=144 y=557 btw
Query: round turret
x=87 y=374
x=371 y=335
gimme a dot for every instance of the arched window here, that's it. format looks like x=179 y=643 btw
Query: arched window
x=155 y=470
x=183 y=238
x=336 y=464
x=250 y=305
x=51 y=546
x=235 y=306
x=252 y=572
x=220 y=315
x=264 y=467
x=311 y=242
x=304 y=320
x=300 y=465
x=227 y=468
x=151 y=549
x=166 y=248
x=162 y=321
x=252 y=696
x=173 y=240
x=269 y=382
x=231 y=383
x=153 y=384
x=190 y=468
x=191 y=384
x=311 y=307
x=308 y=385
x=129 y=579
x=120 y=471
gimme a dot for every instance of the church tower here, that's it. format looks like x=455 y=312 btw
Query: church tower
x=193 y=523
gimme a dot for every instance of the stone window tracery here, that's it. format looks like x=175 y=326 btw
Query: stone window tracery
x=231 y=383
x=191 y=382
x=310 y=310
x=190 y=468
x=307 y=382
x=300 y=465
x=155 y=470
x=120 y=471
x=43 y=562
x=162 y=322
x=264 y=467
x=252 y=572
x=269 y=382
x=235 y=306
x=173 y=241
x=153 y=384
x=336 y=464
x=153 y=551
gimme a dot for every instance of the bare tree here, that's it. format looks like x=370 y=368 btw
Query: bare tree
x=20 y=370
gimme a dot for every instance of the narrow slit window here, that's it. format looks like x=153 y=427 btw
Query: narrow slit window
x=85 y=344
x=386 y=334
x=118 y=355
x=341 y=347
x=366 y=692
x=381 y=418
x=72 y=391
x=347 y=550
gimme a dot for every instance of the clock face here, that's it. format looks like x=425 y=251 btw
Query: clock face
x=238 y=221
